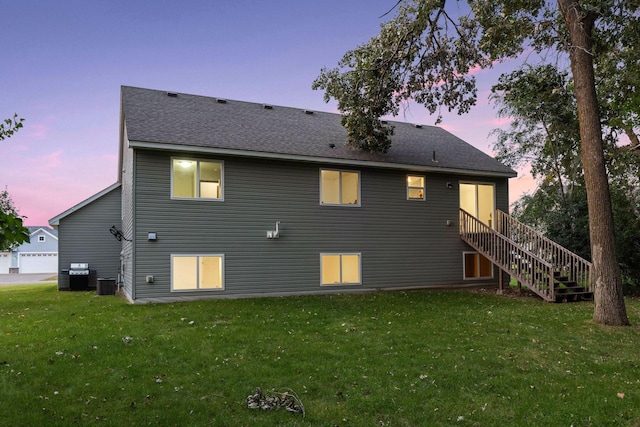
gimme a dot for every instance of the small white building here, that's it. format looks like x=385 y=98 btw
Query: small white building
x=40 y=255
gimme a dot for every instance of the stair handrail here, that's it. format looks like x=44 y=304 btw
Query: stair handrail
x=527 y=267
x=563 y=260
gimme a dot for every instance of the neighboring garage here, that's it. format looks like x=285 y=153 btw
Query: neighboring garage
x=41 y=262
x=40 y=255
x=5 y=261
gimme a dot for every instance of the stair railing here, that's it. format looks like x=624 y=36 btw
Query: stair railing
x=564 y=262
x=528 y=268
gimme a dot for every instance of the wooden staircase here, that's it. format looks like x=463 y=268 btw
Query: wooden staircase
x=548 y=269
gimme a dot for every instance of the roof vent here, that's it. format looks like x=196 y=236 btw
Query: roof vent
x=308 y=112
x=433 y=157
x=172 y=94
x=332 y=145
x=267 y=107
x=221 y=101
x=418 y=126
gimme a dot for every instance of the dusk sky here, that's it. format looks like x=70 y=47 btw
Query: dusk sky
x=63 y=63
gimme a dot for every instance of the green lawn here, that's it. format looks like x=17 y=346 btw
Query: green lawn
x=386 y=359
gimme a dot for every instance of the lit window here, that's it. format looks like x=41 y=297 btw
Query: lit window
x=339 y=187
x=340 y=269
x=479 y=201
x=193 y=179
x=197 y=272
x=40 y=238
x=415 y=187
x=477 y=266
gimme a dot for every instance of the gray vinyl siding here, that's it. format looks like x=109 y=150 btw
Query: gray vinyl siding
x=128 y=197
x=404 y=243
x=84 y=237
x=502 y=194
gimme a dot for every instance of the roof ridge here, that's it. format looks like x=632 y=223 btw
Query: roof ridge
x=278 y=106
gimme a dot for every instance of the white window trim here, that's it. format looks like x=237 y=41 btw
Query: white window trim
x=41 y=238
x=342 y=283
x=198 y=161
x=464 y=277
x=350 y=205
x=423 y=188
x=222 y=273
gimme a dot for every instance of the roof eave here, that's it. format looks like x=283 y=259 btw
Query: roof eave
x=45 y=231
x=314 y=159
x=55 y=221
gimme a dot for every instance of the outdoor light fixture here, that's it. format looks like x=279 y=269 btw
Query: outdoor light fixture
x=152 y=236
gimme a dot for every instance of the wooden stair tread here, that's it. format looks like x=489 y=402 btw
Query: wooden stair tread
x=574 y=297
x=567 y=284
x=570 y=289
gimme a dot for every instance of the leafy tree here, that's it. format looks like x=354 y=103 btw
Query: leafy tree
x=425 y=54
x=566 y=222
x=10 y=126
x=544 y=129
x=618 y=72
x=12 y=232
x=544 y=133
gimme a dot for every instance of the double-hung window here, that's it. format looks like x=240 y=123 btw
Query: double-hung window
x=196 y=179
x=197 y=272
x=339 y=187
x=340 y=269
x=415 y=187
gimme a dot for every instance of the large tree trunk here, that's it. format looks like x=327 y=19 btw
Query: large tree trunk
x=609 y=302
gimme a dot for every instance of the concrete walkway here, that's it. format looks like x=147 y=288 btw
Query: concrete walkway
x=23 y=279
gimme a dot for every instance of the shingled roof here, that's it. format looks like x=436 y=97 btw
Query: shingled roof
x=169 y=120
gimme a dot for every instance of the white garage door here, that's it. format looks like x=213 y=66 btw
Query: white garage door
x=5 y=260
x=35 y=262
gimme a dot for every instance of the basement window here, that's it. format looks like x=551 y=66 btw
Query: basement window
x=197 y=272
x=340 y=269
x=196 y=179
x=477 y=266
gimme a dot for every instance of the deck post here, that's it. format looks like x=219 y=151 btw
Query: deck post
x=500 y=282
